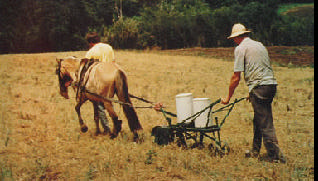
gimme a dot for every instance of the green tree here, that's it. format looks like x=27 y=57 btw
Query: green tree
x=18 y=20
x=175 y=24
x=43 y=25
x=123 y=34
x=61 y=25
x=223 y=20
x=259 y=17
x=294 y=31
x=101 y=13
x=215 y=4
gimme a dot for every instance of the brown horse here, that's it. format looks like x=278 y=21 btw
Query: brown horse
x=97 y=82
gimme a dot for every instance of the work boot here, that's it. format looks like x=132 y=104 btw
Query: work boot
x=106 y=131
x=278 y=159
x=251 y=154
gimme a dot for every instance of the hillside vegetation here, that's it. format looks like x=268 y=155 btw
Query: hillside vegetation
x=50 y=26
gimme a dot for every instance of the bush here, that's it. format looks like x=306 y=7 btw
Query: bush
x=123 y=34
x=177 y=24
x=294 y=31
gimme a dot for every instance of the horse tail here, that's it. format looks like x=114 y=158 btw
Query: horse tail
x=121 y=87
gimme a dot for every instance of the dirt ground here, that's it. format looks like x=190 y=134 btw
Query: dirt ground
x=282 y=55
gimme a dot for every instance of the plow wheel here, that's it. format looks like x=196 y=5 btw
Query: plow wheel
x=181 y=142
x=181 y=139
x=219 y=149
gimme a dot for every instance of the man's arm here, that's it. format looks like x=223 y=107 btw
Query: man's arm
x=234 y=82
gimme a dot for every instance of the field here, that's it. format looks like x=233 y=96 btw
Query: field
x=40 y=136
x=297 y=9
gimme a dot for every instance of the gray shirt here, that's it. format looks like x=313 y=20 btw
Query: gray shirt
x=251 y=57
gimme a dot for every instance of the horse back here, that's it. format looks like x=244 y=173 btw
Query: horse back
x=102 y=78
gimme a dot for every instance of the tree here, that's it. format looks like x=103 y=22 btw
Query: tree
x=175 y=24
x=61 y=25
x=215 y=4
x=294 y=31
x=123 y=34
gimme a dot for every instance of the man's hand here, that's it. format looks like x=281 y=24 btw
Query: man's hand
x=225 y=100
x=158 y=106
x=234 y=82
x=248 y=98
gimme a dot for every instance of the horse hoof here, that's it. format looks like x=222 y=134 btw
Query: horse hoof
x=84 y=129
x=136 y=138
x=118 y=126
x=112 y=136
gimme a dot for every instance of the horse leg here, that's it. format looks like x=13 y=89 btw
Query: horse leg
x=84 y=128
x=121 y=87
x=117 y=123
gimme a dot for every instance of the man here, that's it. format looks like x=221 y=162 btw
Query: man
x=251 y=57
x=104 y=53
x=98 y=50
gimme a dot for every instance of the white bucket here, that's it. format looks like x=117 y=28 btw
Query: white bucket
x=198 y=105
x=184 y=106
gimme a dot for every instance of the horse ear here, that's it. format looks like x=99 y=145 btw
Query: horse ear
x=59 y=60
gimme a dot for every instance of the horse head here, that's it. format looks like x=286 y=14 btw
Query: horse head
x=64 y=76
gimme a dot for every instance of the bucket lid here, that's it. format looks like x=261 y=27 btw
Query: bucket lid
x=183 y=95
x=201 y=99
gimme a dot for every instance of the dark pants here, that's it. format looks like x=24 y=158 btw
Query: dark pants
x=261 y=98
x=102 y=114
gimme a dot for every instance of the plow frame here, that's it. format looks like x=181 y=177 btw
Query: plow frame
x=183 y=131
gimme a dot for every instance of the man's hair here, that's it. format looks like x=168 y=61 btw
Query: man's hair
x=92 y=37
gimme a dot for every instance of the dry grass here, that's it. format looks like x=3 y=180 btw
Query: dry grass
x=40 y=136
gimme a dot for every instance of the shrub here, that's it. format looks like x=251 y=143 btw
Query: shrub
x=293 y=31
x=123 y=34
x=175 y=24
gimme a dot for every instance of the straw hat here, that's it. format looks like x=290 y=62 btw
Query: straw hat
x=237 y=30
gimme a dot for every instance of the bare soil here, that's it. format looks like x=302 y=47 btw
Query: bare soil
x=282 y=55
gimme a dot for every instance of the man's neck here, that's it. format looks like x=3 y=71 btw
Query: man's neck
x=239 y=40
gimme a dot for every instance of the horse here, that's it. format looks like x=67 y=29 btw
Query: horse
x=98 y=82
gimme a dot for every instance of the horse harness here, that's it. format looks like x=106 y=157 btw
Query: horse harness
x=81 y=84
x=81 y=87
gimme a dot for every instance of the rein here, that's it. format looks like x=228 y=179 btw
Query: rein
x=82 y=89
